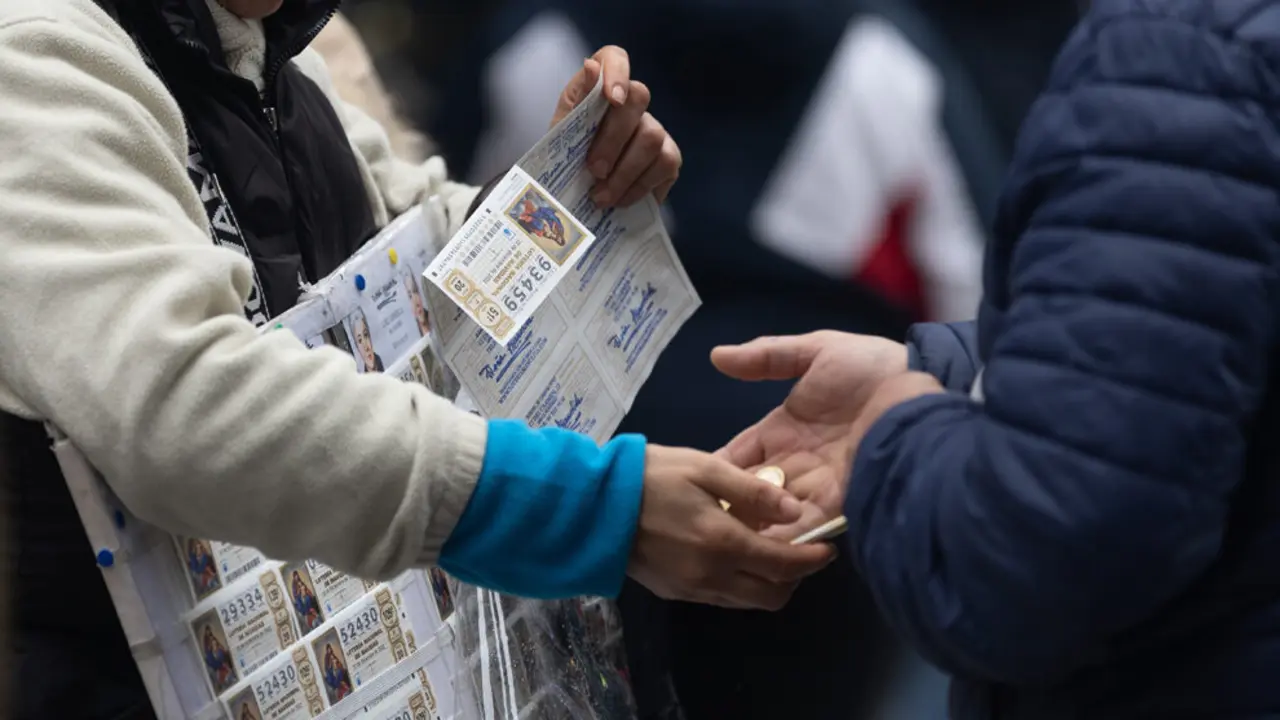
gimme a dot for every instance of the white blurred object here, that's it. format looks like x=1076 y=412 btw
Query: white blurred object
x=523 y=81
x=871 y=144
x=357 y=82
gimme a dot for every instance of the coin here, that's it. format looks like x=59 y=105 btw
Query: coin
x=773 y=475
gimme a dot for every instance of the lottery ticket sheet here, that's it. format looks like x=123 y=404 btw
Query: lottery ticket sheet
x=613 y=292
x=239 y=629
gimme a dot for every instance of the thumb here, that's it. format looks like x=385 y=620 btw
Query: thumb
x=583 y=82
x=751 y=498
x=768 y=358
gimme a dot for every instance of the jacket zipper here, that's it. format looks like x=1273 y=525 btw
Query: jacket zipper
x=269 y=77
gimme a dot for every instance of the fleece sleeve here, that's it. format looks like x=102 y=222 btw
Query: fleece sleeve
x=553 y=515
x=123 y=326
x=1011 y=540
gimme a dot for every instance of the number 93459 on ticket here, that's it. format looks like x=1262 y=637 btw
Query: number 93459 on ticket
x=509 y=255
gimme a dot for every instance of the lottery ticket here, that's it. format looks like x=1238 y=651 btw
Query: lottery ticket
x=241 y=628
x=317 y=592
x=507 y=258
x=423 y=366
x=367 y=638
x=415 y=699
x=209 y=566
x=578 y=360
x=285 y=688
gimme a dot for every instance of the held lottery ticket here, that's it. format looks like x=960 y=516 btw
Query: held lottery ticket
x=507 y=258
x=286 y=688
x=579 y=360
x=359 y=643
x=240 y=628
x=210 y=566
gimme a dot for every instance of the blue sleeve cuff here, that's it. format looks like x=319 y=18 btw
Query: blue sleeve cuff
x=553 y=515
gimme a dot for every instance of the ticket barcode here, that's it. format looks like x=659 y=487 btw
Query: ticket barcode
x=484 y=242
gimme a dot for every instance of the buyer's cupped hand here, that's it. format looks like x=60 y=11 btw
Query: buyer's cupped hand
x=813 y=434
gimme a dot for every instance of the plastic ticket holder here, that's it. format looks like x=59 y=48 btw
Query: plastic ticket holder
x=554 y=703
x=531 y=650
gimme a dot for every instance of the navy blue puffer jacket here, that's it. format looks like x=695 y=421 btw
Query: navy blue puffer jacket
x=1089 y=527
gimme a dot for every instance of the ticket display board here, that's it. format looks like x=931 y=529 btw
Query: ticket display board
x=565 y=311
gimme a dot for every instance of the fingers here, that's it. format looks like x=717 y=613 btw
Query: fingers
x=769 y=358
x=583 y=82
x=616 y=131
x=616 y=66
x=744 y=450
x=779 y=561
x=751 y=496
x=617 y=74
x=660 y=169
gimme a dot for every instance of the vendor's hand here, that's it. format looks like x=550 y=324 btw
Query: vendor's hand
x=632 y=154
x=688 y=548
x=812 y=435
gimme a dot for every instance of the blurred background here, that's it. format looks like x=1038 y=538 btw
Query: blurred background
x=842 y=164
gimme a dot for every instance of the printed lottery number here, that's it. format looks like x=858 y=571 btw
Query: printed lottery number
x=278 y=683
x=533 y=276
x=459 y=285
x=359 y=625
x=243 y=606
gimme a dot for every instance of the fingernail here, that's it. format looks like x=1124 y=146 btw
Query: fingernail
x=619 y=94
x=601 y=196
x=790 y=507
x=600 y=169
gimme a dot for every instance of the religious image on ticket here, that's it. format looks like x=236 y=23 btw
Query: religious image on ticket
x=302 y=596
x=211 y=565
x=551 y=228
x=334 y=674
x=440 y=592
x=245 y=707
x=215 y=651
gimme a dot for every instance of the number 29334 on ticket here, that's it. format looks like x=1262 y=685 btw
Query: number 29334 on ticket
x=509 y=255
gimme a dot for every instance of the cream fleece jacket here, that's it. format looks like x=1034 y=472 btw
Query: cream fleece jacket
x=122 y=321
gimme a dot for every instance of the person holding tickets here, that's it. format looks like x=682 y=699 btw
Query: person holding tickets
x=1072 y=505
x=130 y=279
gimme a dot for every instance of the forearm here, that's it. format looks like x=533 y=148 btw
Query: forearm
x=124 y=326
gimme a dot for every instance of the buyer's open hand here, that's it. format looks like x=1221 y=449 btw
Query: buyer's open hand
x=813 y=434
